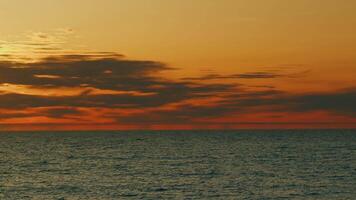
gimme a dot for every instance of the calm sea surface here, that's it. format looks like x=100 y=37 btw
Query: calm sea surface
x=317 y=164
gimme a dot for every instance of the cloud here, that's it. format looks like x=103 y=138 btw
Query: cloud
x=55 y=112
x=34 y=43
x=61 y=112
x=249 y=75
x=132 y=83
x=338 y=102
x=78 y=70
x=180 y=115
x=269 y=101
x=109 y=81
x=341 y=102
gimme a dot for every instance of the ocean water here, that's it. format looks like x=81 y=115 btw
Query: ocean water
x=284 y=164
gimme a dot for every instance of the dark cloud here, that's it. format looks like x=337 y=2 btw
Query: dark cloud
x=99 y=72
x=170 y=94
x=180 y=115
x=252 y=75
x=137 y=86
x=7 y=115
x=233 y=104
x=59 y=112
x=77 y=70
x=249 y=75
x=341 y=102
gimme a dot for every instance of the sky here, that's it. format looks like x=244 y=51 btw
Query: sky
x=178 y=64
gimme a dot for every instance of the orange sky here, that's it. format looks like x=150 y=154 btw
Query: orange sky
x=157 y=64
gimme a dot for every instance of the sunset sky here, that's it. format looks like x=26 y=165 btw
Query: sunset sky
x=177 y=64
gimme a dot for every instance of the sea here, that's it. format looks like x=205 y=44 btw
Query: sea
x=238 y=164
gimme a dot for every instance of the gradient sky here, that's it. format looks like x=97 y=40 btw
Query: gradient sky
x=177 y=64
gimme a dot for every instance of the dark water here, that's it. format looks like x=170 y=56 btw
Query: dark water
x=318 y=164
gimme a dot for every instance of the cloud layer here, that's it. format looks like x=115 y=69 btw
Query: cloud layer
x=123 y=91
